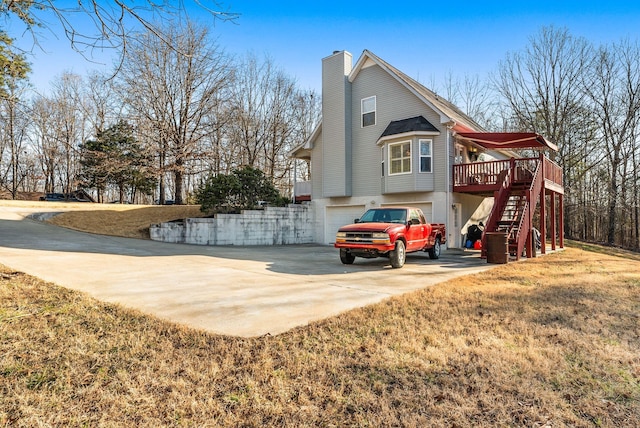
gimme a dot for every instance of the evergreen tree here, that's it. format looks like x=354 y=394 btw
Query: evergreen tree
x=13 y=65
x=116 y=158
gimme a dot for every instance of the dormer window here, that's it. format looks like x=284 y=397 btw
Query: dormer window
x=368 y=111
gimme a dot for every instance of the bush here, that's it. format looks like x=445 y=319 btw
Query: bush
x=243 y=189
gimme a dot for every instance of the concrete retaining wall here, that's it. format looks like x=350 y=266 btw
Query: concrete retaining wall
x=271 y=226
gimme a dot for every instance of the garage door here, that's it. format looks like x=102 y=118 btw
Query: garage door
x=339 y=216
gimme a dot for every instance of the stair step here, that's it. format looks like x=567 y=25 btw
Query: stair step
x=511 y=212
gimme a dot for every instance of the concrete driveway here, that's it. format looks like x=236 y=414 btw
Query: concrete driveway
x=238 y=291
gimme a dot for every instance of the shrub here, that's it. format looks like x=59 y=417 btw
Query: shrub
x=243 y=189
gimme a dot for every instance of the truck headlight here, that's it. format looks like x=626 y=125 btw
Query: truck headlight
x=380 y=238
x=341 y=236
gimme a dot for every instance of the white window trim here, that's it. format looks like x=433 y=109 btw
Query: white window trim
x=374 y=111
x=390 y=160
x=420 y=156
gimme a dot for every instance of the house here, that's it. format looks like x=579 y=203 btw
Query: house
x=385 y=139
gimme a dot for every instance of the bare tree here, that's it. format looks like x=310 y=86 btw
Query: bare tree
x=280 y=128
x=13 y=82
x=93 y=24
x=13 y=132
x=250 y=108
x=44 y=142
x=474 y=96
x=70 y=126
x=177 y=92
x=541 y=87
x=635 y=186
x=542 y=84
x=613 y=87
x=100 y=104
x=270 y=116
x=307 y=111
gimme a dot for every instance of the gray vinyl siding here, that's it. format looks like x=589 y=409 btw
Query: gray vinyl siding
x=425 y=181
x=316 y=167
x=393 y=102
x=336 y=126
x=441 y=162
x=402 y=183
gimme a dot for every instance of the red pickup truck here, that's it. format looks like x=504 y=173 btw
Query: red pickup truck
x=390 y=232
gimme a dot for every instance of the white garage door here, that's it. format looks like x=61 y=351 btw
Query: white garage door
x=335 y=217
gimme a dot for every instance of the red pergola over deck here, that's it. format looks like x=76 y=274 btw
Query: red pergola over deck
x=508 y=140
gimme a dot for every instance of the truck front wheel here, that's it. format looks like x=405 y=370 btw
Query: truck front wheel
x=346 y=257
x=434 y=252
x=398 y=255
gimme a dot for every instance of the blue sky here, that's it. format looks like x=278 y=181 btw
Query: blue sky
x=425 y=39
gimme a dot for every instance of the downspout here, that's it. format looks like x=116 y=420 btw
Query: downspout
x=448 y=175
x=295 y=179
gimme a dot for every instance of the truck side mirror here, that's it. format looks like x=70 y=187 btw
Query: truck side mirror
x=357 y=220
x=414 y=221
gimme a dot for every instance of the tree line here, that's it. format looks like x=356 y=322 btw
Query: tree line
x=186 y=108
x=586 y=98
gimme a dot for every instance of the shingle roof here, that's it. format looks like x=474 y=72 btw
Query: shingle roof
x=413 y=124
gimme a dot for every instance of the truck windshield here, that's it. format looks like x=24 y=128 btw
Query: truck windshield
x=384 y=215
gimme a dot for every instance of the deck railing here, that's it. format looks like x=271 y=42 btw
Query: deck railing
x=302 y=191
x=552 y=172
x=478 y=173
x=486 y=176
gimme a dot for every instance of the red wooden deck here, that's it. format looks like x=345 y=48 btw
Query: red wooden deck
x=484 y=178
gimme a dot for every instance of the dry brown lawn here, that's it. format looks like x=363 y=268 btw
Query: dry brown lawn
x=553 y=341
x=130 y=221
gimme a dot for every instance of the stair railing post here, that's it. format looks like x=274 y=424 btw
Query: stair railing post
x=543 y=210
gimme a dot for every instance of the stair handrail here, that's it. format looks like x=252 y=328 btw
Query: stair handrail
x=499 y=199
x=532 y=198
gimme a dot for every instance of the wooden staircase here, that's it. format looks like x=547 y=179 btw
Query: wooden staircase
x=515 y=202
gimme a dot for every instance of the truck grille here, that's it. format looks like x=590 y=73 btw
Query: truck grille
x=359 y=237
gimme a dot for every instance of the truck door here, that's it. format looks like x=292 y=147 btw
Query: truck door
x=417 y=234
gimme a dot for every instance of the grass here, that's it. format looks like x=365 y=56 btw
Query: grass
x=550 y=342
x=129 y=221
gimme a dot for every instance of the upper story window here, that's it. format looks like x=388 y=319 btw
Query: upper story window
x=400 y=158
x=426 y=157
x=368 y=111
